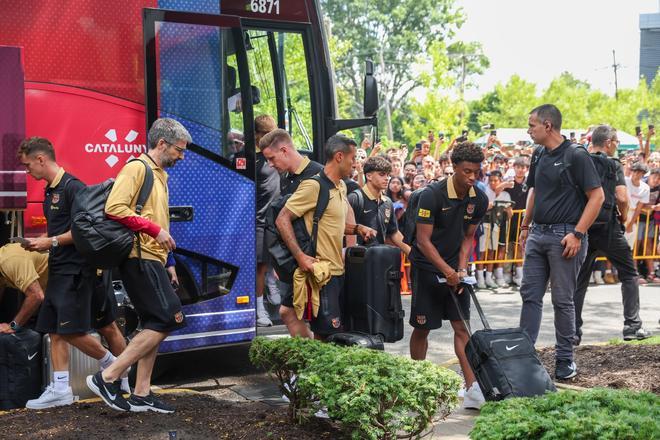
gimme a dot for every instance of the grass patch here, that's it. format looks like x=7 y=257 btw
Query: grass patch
x=598 y=414
x=653 y=340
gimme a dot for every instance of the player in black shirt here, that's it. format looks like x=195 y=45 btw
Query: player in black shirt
x=374 y=209
x=268 y=188
x=73 y=304
x=448 y=214
x=557 y=242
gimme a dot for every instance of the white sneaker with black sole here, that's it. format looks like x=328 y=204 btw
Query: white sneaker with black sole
x=149 y=403
x=51 y=398
x=109 y=392
x=473 y=398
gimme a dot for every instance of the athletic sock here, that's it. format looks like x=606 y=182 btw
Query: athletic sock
x=519 y=272
x=608 y=271
x=107 y=360
x=480 y=276
x=499 y=273
x=61 y=380
x=489 y=276
x=124 y=383
x=260 y=305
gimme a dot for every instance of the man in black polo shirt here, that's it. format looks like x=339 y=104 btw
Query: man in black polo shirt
x=374 y=209
x=72 y=305
x=557 y=242
x=448 y=214
x=608 y=239
x=280 y=153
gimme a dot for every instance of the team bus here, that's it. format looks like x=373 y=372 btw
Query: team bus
x=98 y=73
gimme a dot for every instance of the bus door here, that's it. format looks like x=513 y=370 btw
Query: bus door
x=196 y=72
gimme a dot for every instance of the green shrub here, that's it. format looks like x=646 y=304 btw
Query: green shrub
x=597 y=414
x=284 y=358
x=371 y=394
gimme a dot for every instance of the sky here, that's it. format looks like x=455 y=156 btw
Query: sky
x=540 y=40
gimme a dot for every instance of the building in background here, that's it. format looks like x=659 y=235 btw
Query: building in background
x=649 y=45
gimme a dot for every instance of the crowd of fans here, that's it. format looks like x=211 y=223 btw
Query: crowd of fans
x=503 y=177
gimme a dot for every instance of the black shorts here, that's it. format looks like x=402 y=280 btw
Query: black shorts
x=286 y=293
x=432 y=303
x=152 y=295
x=262 y=252
x=67 y=306
x=104 y=302
x=329 y=318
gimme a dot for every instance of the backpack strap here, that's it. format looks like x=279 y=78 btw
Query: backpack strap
x=321 y=204
x=145 y=192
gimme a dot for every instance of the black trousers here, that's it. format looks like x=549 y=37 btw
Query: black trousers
x=614 y=246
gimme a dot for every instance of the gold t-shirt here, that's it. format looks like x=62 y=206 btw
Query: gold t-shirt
x=332 y=224
x=20 y=268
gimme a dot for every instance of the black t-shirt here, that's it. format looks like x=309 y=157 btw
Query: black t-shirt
x=376 y=214
x=63 y=259
x=450 y=218
x=268 y=188
x=555 y=199
x=289 y=182
x=518 y=194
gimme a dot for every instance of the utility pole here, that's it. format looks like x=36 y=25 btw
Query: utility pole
x=388 y=114
x=615 y=66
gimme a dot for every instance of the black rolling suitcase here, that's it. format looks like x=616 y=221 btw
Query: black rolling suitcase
x=372 y=288
x=20 y=368
x=504 y=361
x=348 y=339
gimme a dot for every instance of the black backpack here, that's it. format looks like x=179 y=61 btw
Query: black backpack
x=283 y=261
x=383 y=208
x=105 y=243
x=410 y=216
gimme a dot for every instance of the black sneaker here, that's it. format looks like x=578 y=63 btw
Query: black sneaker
x=565 y=369
x=109 y=392
x=631 y=333
x=149 y=403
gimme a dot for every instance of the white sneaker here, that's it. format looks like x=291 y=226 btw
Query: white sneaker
x=598 y=277
x=322 y=414
x=517 y=281
x=501 y=282
x=273 y=294
x=51 y=398
x=473 y=398
x=262 y=319
x=491 y=284
x=591 y=279
x=481 y=284
x=508 y=278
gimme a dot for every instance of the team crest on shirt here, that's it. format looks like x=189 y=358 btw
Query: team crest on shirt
x=336 y=322
x=470 y=208
x=178 y=317
x=421 y=319
x=388 y=211
x=56 y=198
x=424 y=213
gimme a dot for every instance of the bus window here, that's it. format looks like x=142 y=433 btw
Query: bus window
x=200 y=88
x=279 y=69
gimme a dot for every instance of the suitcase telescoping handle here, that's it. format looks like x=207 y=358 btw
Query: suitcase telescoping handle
x=468 y=287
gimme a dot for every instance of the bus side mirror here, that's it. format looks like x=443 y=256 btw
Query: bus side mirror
x=370 y=91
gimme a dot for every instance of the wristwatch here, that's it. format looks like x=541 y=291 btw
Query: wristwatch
x=579 y=235
x=54 y=242
x=14 y=326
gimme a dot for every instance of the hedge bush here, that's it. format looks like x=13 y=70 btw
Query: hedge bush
x=597 y=414
x=371 y=394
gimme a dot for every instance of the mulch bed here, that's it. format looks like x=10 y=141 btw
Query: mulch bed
x=197 y=416
x=634 y=367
